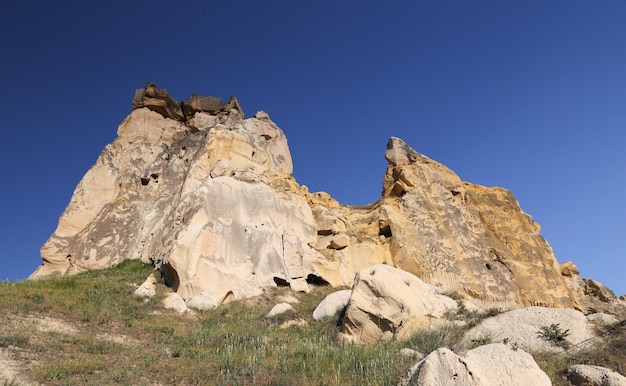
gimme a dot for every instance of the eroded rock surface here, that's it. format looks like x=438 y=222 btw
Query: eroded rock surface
x=492 y=364
x=388 y=303
x=207 y=196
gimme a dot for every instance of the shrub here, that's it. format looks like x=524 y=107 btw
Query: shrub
x=553 y=333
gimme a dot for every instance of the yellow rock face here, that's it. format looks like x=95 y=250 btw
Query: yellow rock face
x=211 y=201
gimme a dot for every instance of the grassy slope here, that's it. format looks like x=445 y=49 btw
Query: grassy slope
x=107 y=336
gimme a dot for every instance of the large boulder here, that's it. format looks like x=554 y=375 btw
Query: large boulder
x=588 y=375
x=387 y=302
x=524 y=327
x=493 y=364
x=332 y=305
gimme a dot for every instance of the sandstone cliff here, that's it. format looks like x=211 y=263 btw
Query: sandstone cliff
x=208 y=197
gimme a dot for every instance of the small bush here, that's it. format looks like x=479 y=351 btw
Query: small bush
x=553 y=333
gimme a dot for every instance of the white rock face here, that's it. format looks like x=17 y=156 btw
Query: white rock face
x=522 y=327
x=194 y=198
x=588 y=375
x=332 y=305
x=492 y=364
x=387 y=302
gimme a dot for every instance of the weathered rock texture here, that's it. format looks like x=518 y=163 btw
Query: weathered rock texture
x=588 y=375
x=387 y=303
x=208 y=197
x=521 y=327
x=493 y=364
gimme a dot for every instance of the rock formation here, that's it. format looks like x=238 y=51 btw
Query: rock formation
x=207 y=196
x=492 y=364
x=387 y=303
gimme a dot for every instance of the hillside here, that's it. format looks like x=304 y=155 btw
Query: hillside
x=91 y=329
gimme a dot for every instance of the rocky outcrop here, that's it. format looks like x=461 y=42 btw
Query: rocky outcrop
x=207 y=196
x=492 y=364
x=591 y=295
x=155 y=194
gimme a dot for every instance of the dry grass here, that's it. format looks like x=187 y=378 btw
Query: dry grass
x=89 y=329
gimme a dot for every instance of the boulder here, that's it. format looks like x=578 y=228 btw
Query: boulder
x=173 y=301
x=522 y=327
x=279 y=309
x=148 y=288
x=332 y=305
x=493 y=364
x=588 y=375
x=203 y=301
x=387 y=302
x=205 y=104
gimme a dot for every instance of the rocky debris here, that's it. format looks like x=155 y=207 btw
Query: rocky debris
x=522 y=327
x=158 y=100
x=173 y=301
x=148 y=288
x=388 y=303
x=279 y=309
x=332 y=305
x=492 y=364
x=588 y=375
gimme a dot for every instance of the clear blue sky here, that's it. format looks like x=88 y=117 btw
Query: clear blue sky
x=528 y=95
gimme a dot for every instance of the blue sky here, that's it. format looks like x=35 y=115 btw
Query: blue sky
x=528 y=95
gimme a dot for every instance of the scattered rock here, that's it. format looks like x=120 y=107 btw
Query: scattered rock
x=588 y=375
x=279 y=309
x=148 y=288
x=332 y=305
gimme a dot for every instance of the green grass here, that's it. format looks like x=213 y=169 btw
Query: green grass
x=120 y=339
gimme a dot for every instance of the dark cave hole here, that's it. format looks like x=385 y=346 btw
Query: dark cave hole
x=281 y=282
x=488 y=266
x=170 y=276
x=144 y=181
x=316 y=280
x=385 y=231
